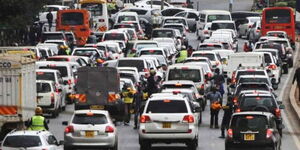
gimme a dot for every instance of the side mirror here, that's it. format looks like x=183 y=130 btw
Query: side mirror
x=65 y=123
x=281 y=106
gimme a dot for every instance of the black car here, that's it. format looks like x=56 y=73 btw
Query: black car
x=253 y=129
x=265 y=102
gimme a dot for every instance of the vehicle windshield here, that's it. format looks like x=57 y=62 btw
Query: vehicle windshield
x=240 y=73
x=89 y=119
x=58 y=59
x=72 y=18
x=211 y=18
x=185 y=74
x=151 y=52
x=45 y=76
x=251 y=122
x=180 y=28
x=63 y=70
x=162 y=34
x=211 y=57
x=22 y=141
x=94 y=9
x=114 y=36
x=85 y=52
x=126 y=18
x=278 y=16
x=209 y=47
x=259 y=80
x=250 y=102
x=57 y=36
x=139 y=64
x=216 y=26
x=174 y=21
x=167 y=106
x=262 y=87
x=43 y=87
x=139 y=46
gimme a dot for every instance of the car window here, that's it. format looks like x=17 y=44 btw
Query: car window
x=51 y=140
x=43 y=87
x=167 y=106
x=151 y=52
x=185 y=74
x=192 y=15
x=62 y=69
x=209 y=56
x=250 y=102
x=211 y=18
x=258 y=80
x=45 y=76
x=89 y=119
x=202 y=18
x=242 y=87
x=139 y=64
x=182 y=14
x=171 y=12
x=250 y=122
x=84 y=52
x=162 y=33
x=22 y=141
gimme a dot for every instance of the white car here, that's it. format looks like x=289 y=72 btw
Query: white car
x=214 y=58
x=244 y=27
x=90 y=128
x=168 y=118
x=30 y=140
x=204 y=33
x=155 y=4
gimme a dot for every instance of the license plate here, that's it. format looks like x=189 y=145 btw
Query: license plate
x=97 y=107
x=89 y=133
x=166 y=125
x=249 y=137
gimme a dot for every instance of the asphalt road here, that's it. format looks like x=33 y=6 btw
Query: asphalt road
x=208 y=138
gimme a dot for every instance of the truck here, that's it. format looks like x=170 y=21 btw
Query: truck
x=17 y=91
x=99 y=88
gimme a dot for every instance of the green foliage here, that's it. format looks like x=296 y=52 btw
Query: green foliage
x=292 y=4
x=281 y=4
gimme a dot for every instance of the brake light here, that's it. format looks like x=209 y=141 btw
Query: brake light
x=230 y=133
x=69 y=81
x=101 y=20
x=202 y=86
x=146 y=70
x=205 y=31
x=272 y=66
x=257 y=30
x=277 y=112
x=238 y=110
x=145 y=119
x=176 y=92
x=188 y=119
x=235 y=100
x=269 y=133
x=69 y=129
x=52 y=98
x=109 y=129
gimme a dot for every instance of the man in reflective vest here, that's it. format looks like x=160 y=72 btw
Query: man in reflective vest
x=38 y=122
x=128 y=95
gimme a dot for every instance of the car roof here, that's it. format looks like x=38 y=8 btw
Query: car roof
x=222 y=21
x=90 y=110
x=178 y=89
x=258 y=94
x=215 y=11
x=27 y=132
x=47 y=70
x=169 y=96
x=253 y=76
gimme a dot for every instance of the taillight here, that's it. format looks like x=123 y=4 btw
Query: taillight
x=188 y=119
x=257 y=31
x=202 y=86
x=69 y=129
x=109 y=129
x=52 y=98
x=205 y=31
x=146 y=70
x=230 y=133
x=101 y=20
x=272 y=66
x=269 y=133
x=238 y=110
x=277 y=112
x=145 y=119
x=69 y=81
x=235 y=100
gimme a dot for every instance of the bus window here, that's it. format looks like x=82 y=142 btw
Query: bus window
x=73 y=18
x=278 y=16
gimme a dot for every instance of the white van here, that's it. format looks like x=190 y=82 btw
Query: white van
x=243 y=59
x=127 y=16
x=208 y=16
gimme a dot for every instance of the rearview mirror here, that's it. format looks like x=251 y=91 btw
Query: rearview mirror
x=65 y=123
x=61 y=142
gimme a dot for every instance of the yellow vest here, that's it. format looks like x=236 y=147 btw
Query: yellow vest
x=128 y=97
x=182 y=57
x=37 y=123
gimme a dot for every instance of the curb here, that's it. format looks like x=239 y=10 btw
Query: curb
x=293 y=99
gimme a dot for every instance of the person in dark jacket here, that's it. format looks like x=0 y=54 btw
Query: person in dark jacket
x=137 y=105
x=50 y=19
x=228 y=111
x=152 y=85
x=218 y=81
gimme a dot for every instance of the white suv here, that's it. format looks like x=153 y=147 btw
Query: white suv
x=33 y=140
x=168 y=119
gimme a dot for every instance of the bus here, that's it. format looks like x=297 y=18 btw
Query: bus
x=98 y=12
x=279 y=19
x=77 y=21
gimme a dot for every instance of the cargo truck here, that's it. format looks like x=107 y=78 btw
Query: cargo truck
x=17 y=91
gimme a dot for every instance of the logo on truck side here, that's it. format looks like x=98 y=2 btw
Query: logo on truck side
x=5 y=65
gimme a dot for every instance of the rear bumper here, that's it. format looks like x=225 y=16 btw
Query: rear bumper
x=99 y=141
x=167 y=137
x=240 y=145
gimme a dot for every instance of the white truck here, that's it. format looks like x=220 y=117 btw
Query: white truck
x=17 y=91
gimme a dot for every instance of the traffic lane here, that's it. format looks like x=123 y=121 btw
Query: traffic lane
x=238 y=5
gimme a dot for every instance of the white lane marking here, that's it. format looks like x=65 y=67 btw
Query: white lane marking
x=287 y=122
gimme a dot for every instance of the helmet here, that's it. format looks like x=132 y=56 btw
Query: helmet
x=38 y=111
x=152 y=72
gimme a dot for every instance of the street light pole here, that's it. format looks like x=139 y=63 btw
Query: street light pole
x=162 y=5
x=230 y=5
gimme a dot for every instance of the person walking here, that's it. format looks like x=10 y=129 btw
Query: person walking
x=218 y=81
x=38 y=121
x=215 y=99
x=297 y=77
x=50 y=19
x=138 y=98
x=152 y=84
x=228 y=111
x=127 y=95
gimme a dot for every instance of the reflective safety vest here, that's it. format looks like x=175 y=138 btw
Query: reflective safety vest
x=37 y=123
x=182 y=57
x=128 y=97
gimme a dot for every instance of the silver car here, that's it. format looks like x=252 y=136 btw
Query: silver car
x=244 y=28
x=254 y=33
x=90 y=128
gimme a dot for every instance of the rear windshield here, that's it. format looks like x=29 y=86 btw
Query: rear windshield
x=151 y=52
x=262 y=87
x=180 y=28
x=22 y=141
x=173 y=86
x=251 y=122
x=139 y=64
x=43 y=87
x=126 y=18
x=175 y=21
x=211 y=18
x=209 y=56
x=45 y=76
x=162 y=34
x=128 y=76
x=139 y=46
x=216 y=26
x=250 y=102
x=240 y=73
x=85 y=52
x=166 y=106
x=114 y=36
x=92 y=119
x=258 y=80
x=209 y=47
x=57 y=36
x=195 y=60
x=63 y=70
x=185 y=74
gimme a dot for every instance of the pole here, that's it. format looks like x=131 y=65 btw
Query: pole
x=230 y=5
x=151 y=3
x=162 y=5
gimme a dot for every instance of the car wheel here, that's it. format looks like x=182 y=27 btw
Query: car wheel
x=144 y=145
x=115 y=147
x=192 y=145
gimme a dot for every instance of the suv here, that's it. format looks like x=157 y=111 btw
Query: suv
x=168 y=119
x=26 y=139
x=90 y=128
x=253 y=129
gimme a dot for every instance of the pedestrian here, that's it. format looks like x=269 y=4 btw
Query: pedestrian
x=228 y=111
x=50 y=19
x=138 y=98
x=152 y=84
x=218 y=81
x=148 y=29
x=215 y=99
x=297 y=77
x=190 y=50
x=38 y=121
x=127 y=95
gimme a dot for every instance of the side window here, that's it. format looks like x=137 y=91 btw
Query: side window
x=181 y=14
x=202 y=17
x=192 y=15
x=218 y=56
x=156 y=3
x=51 y=140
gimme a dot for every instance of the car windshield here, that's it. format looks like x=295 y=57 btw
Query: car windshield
x=139 y=64
x=43 y=87
x=250 y=102
x=85 y=52
x=114 y=36
x=22 y=141
x=262 y=87
x=211 y=57
x=126 y=18
x=180 y=28
x=167 y=106
x=211 y=18
x=45 y=76
x=63 y=70
x=240 y=73
x=250 y=122
x=253 y=79
x=162 y=34
x=209 y=47
x=89 y=119
x=216 y=26
x=185 y=74
x=139 y=46
x=175 y=21
x=151 y=52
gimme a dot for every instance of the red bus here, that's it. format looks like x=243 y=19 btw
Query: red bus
x=76 y=20
x=279 y=19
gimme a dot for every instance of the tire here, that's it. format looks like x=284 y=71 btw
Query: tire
x=192 y=145
x=114 y=148
x=144 y=145
x=200 y=119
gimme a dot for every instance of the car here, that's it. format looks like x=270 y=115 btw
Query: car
x=18 y=139
x=133 y=36
x=68 y=58
x=224 y=53
x=209 y=46
x=252 y=129
x=177 y=20
x=50 y=99
x=90 y=129
x=52 y=46
x=244 y=27
x=115 y=35
x=138 y=45
x=141 y=64
x=168 y=12
x=58 y=35
x=158 y=126
x=254 y=32
x=223 y=24
x=191 y=16
x=280 y=34
x=126 y=16
x=111 y=48
x=143 y=13
x=91 y=52
x=182 y=32
x=155 y=4
x=214 y=58
x=204 y=33
x=160 y=58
